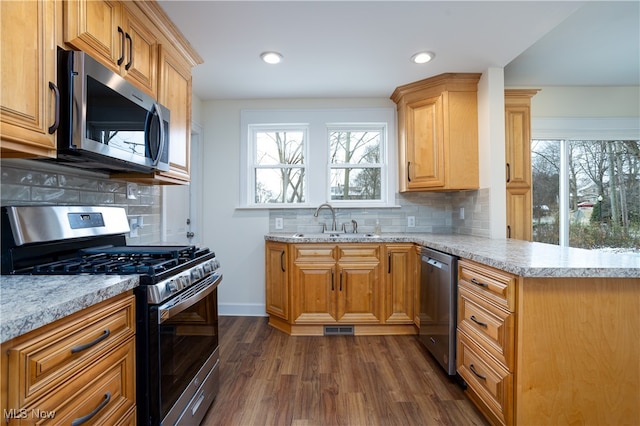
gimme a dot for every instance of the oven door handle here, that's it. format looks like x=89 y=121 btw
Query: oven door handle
x=171 y=311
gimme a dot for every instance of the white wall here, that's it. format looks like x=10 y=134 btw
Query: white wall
x=601 y=102
x=491 y=133
x=588 y=113
x=237 y=236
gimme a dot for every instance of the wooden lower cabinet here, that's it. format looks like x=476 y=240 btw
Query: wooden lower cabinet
x=340 y=284
x=335 y=284
x=277 y=286
x=549 y=351
x=78 y=367
x=400 y=283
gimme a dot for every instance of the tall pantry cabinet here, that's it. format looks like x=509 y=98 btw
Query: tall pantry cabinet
x=517 y=117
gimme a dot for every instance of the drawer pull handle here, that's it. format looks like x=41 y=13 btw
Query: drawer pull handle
x=476 y=282
x=480 y=323
x=81 y=348
x=473 y=370
x=84 y=419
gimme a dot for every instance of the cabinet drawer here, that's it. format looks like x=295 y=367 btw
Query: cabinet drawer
x=491 y=327
x=51 y=357
x=106 y=389
x=359 y=253
x=495 y=285
x=488 y=381
x=314 y=253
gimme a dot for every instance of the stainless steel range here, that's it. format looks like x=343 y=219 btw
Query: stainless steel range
x=176 y=302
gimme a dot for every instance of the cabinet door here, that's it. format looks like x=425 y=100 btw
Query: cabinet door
x=399 y=284
x=277 y=285
x=518 y=148
x=174 y=92
x=519 y=224
x=141 y=61
x=425 y=148
x=27 y=99
x=358 y=293
x=94 y=27
x=314 y=293
x=518 y=163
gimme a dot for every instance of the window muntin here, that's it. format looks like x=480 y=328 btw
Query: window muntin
x=279 y=164
x=356 y=163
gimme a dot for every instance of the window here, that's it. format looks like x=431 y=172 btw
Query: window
x=303 y=158
x=586 y=193
x=355 y=168
x=278 y=167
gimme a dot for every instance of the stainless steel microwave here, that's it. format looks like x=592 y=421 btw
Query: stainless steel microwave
x=107 y=124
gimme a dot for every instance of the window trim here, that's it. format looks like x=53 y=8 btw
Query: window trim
x=316 y=172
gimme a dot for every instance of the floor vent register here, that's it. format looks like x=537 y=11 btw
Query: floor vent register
x=335 y=330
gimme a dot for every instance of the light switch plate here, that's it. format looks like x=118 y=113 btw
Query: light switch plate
x=411 y=221
x=279 y=223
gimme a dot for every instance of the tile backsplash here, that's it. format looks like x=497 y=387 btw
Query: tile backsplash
x=30 y=182
x=434 y=212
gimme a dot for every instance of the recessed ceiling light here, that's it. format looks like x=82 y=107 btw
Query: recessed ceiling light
x=423 y=57
x=271 y=57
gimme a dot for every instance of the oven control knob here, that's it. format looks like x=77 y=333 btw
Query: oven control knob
x=171 y=286
x=196 y=274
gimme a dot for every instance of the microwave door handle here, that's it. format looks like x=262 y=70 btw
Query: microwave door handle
x=162 y=139
x=158 y=112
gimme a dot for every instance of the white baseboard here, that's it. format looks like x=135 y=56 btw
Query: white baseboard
x=241 y=310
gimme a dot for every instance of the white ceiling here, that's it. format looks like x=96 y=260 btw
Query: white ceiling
x=362 y=48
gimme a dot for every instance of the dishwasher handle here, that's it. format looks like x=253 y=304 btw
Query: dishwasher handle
x=432 y=262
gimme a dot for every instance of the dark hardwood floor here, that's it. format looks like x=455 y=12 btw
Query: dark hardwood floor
x=270 y=378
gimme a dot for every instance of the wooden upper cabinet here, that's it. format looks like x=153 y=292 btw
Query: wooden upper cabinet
x=116 y=34
x=174 y=92
x=518 y=162
x=28 y=101
x=438 y=133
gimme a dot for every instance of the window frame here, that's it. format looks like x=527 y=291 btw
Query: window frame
x=317 y=181
x=253 y=130
x=382 y=165
x=564 y=129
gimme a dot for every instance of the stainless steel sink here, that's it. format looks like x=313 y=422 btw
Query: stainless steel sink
x=337 y=236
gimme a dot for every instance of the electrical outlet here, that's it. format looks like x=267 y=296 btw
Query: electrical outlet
x=279 y=223
x=461 y=213
x=133 y=228
x=411 y=221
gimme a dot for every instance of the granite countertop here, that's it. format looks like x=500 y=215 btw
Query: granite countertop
x=523 y=258
x=31 y=301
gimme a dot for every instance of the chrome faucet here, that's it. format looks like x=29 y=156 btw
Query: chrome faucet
x=333 y=215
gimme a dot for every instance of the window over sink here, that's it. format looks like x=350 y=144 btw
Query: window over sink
x=302 y=158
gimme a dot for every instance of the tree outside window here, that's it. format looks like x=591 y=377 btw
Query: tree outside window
x=603 y=193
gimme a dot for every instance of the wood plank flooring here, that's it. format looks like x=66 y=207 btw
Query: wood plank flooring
x=270 y=378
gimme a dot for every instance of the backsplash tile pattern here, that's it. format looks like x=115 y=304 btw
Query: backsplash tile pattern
x=28 y=182
x=437 y=213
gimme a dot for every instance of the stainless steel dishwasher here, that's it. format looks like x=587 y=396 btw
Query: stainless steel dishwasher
x=438 y=284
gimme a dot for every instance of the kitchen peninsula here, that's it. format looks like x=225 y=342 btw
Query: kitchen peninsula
x=557 y=334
